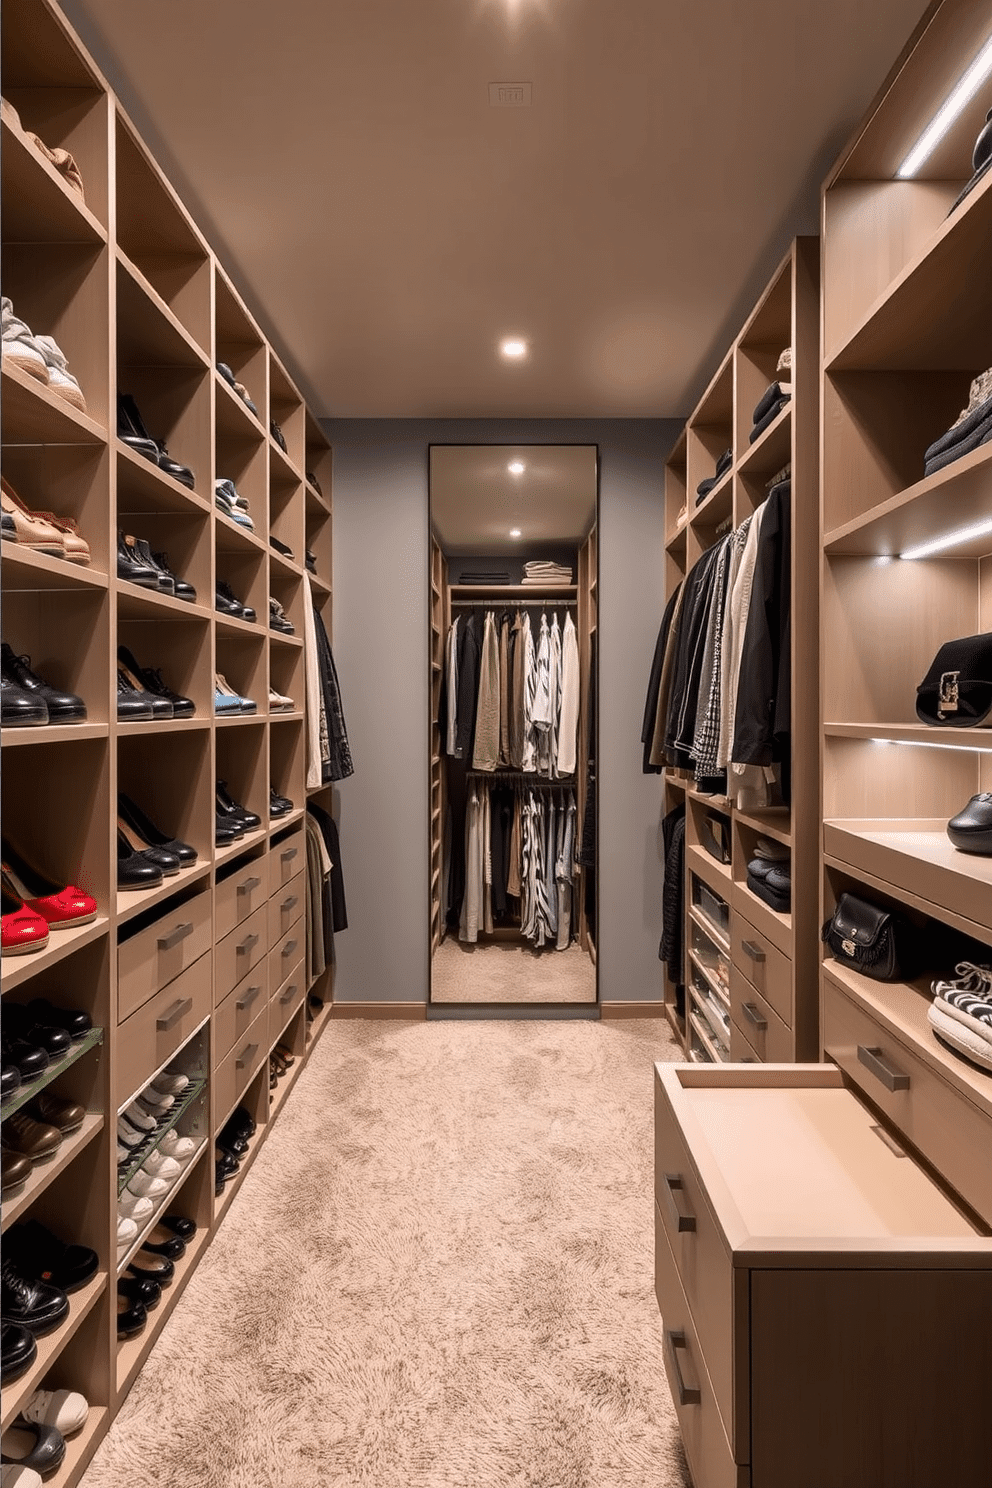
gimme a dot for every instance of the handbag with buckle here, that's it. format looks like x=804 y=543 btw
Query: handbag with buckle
x=875 y=941
x=957 y=690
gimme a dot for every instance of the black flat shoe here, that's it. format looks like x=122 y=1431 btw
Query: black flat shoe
x=33 y=1446
x=278 y=436
x=23 y=1025
x=27 y=1059
x=183 y=588
x=63 y=707
x=280 y=547
x=42 y=1256
x=227 y=830
x=150 y=678
x=228 y=603
x=148 y=1293
x=161 y=706
x=150 y=833
x=228 y=805
x=172 y=1246
x=241 y=1123
x=152 y=1267
x=131 y=1318
x=20 y=709
x=35 y=1304
x=131 y=431
x=134 y=705
x=278 y=621
x=971 y=830
x=76 y=1021
x=169 y=466
x=179 y=1225
x=134 y=871
x=10 y=1080
x=279 y=805
x=18 y=1351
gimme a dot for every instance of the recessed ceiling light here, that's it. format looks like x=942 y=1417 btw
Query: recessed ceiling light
x=514 y=531
x=957 y=100
x=513 y=348
x=516 y=467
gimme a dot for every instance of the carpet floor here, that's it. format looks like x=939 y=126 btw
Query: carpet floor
x=510 y=971
x=437 y=1274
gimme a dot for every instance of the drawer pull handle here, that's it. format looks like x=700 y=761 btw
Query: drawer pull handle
x=246 y=1056
x=754 y=951
x=874 y=1060
x=248 y=999
x=181 y=932
x=248 y=885
x=288 y=855
x=682 y=1219
x=290 y=947
x=168 y=1020
x=288 y=903
x=675 y=1340
x=754 y=1016
x=289 y=992
x=248 y=944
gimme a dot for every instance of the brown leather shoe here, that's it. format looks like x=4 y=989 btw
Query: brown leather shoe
x=54 y=1111
x=16 y=1170
x=33 y=1139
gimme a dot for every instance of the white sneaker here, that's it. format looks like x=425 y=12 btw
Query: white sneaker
x=168 y=1084
x=124 y=1154
x=127 y=1230
x=60 y=379
x=160 y=1165
x=156 y=1105
x=140 y=1118
x=127 y=1135
x=975 y=980
x=66 y=1410
x=146 y=1186
x=133 y=1207
x=19 y=344
x=179 y=1147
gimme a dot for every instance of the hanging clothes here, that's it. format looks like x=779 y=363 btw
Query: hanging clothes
x=554 y=689
x=568 y=722
x=518 y=692
x=469 y=660
x=335 y=753
x=472 y=911
x=485 y=754
x=528 y=754
x=451 y=687
x=505 y=681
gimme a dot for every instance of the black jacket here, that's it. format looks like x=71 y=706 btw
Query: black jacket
x=763 y=719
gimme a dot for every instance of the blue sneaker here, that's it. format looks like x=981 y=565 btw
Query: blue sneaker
x=226 y=700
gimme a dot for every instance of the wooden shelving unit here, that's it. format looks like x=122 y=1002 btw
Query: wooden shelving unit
x=905 y=329
x=786 y=315
x=133 y=294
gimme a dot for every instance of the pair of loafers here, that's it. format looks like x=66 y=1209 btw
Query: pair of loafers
x=29 y=699
x=143 y=695
x=132 y=432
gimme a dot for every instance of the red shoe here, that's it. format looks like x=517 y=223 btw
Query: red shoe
x=61 y=907
x=21 y=929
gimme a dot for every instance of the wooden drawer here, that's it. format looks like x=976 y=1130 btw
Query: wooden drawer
x=285 y=954
x=711 y=1460
x=240 y=895
x=286 y=906
x=155 y=1031
x=285 y=1001
x=239 y=1010
x=741 y=1052
x=239 y=952
x=758 y=1021
x=704 y=1266
x=154 y=957
x=287 y=858
x=236 y=1070
x=764 y=966
x=949 y=1131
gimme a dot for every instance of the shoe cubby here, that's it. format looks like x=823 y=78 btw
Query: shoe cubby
x=70 y=480
x=318 y=461
x=169 y=779
x=288 y=763
x=243 y=1082
x=242 y=763
x=287 y=590
x=287 y=511
x=156 y=235
x=173 y=401
x=182 y=534
x=243 y=568
x=286 y=408
x=287 y=676
x=319 y=539
x=177 y=645
x=65 y=633
x=242 y=661
x=241 y=457
x=61 y=830
x=240 y=346
x=768 y=333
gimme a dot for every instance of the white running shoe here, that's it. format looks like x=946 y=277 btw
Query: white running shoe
x=147 y=1186
x=66 y=1410
x=173 y=1144
x=160 y=1165
x=133 y=1207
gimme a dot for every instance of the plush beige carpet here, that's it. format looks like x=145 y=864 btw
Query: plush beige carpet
x=437 y=1274
x=510 y=971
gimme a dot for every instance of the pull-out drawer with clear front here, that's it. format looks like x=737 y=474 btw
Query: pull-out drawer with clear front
x=808 y=1264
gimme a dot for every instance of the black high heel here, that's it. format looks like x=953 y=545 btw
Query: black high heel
x=150 y=833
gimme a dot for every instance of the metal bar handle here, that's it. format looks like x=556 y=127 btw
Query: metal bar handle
x=290 y=947
x=874 y=1060
x=246 y=1056
x=290 y=902
x=181 y=932
x=754 y=951
x=248 y=885
x=248 y=998
x=289 y=992
x=754 y=1016
x=168 y=1020
x=288 y=855
x=675 y=1340
x=682 y=1218
x=248 y=944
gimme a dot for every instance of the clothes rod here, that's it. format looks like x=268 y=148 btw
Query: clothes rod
x=543 y=601
x=512 y=777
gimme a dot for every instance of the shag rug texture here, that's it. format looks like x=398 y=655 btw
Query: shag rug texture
x=507 y=971
x=437 y=1274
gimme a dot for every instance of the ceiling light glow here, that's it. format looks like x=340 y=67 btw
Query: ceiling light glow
x=957 y=100
x=514 y=531
x=949 y=540
x=927 y=744
x=516 y=467
x=513 y=348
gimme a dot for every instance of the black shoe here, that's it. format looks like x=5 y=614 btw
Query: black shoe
x=132 y=431
x=131 y=1317
x=166 y=583
x=279 y=805
x=277 y=435
x=310 y=561
x=169 y=466
x=149 y=832
x=153 y=1267
x=40 y=1449
x=10 y=1080
x=278 y=621
x=132 y=567
x=971 y=829
x=228 y=603
x=63 y=707
x=134 y=705
x=314 y=482
x=241 y=1123
x=159 y=857
x=21 y=1024
x=20 y=709
x=226 y=804
x=227 y=830
x=226 y=373
x=183 y=588
x=29 y=1060
x=167 y=704
x=280 y=547
x=179 y=1225
x=76 y=1021
x=148 y=1293
x=36 y=1304
x=41 y=1256
x=18 y=1351
x=174 y=1247
x=134 y=871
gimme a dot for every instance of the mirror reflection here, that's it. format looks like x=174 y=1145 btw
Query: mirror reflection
x=513 y=723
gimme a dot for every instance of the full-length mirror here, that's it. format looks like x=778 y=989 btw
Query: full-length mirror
x=513 y=723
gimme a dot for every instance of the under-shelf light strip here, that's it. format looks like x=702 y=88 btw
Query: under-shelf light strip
x=949 y=540
x=926 y=744
x=957 y=100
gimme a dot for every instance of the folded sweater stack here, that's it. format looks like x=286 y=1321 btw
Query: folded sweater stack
x=546 y=574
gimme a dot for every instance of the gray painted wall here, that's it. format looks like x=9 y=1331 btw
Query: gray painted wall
x=381 y=648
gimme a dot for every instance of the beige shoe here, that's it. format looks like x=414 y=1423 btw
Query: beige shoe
x=60 y=379
x=278 y=703
x=30 y=531
x=77 y=549
x=19 y=345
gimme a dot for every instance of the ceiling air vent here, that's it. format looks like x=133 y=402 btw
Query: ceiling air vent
x=509 y=95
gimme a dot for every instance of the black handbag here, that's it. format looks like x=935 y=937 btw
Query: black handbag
x=957 y=690
x=875 y=941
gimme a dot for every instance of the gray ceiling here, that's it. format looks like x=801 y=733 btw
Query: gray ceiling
x=390 y=226
x=477 y=501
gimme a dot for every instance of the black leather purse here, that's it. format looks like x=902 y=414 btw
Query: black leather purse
x=875 y=941
x=957 y=690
